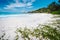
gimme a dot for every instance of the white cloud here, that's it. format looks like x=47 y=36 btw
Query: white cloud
x=14 y=5
x=32 y=0
x=28 y=0
x=11 y=6
x=29 y=4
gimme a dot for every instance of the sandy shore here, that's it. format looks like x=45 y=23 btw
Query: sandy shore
x=9 y=23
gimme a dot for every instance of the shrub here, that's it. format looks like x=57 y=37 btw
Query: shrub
x=47 y=32
x=56 y=12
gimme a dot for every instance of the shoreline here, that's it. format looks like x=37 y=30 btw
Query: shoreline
x=22 y=14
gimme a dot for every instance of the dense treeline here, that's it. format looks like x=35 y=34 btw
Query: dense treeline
x=54 y=7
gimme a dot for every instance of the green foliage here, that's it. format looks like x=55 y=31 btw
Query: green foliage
x=47 y=32
x=56 y=12
x=59 y=1
x=51 y=33
x=51 y=8
x=42 y=10
x=54 y=6
x=17 y=37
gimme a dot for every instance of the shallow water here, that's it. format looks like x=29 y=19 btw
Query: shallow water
x=9 y=23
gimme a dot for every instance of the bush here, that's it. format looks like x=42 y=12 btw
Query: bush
x=47 y=32
x=56 y=12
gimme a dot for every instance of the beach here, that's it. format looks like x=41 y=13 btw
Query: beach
x=9 y=23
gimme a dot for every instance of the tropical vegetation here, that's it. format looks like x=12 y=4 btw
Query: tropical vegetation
x=46 y=33
x=53 y=8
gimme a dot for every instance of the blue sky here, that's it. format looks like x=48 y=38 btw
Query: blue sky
x=23 y=5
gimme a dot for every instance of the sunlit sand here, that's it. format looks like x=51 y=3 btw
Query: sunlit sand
x=9 y=23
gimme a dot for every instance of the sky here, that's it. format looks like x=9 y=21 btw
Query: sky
x=23 y=5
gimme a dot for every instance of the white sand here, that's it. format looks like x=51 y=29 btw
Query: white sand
x=9 y=23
